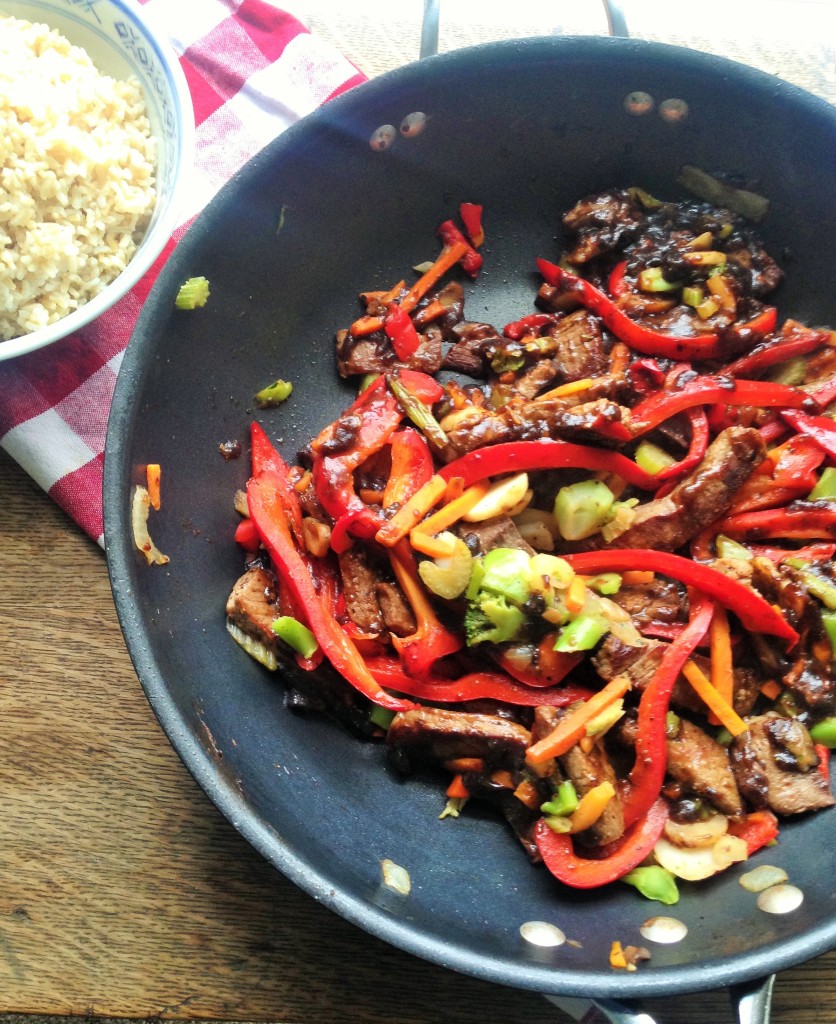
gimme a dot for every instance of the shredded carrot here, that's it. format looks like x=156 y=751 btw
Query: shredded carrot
x=153 y=472
x=617 y=957
x=408 y=517
x=575 y=595
x=725 y=713
x=457 y=789
x=591 y=806
x=450 y=513
x=572 y=388
x=722 y=670
x=637 y=577
x=619 y=359
x=385 y=297
x=719 y=288
x=432 y=311
x=586 y=743
x=771 y=690
x=455 y=488
x=528 y=794
x=503 y=778
x=434 y=547
x=448 y=258
x=465 y=764
x=570 y=728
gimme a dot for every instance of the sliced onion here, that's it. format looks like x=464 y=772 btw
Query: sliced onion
x=697 y=833
x=664 y=930
x=729 y=850
x=255 y=648
x=763 y=877
x=541 y=933
x=691 y=863
x=395 y=877
x=140 y=507
x=780 y=899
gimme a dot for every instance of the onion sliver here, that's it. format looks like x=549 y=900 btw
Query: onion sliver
x=763 y=877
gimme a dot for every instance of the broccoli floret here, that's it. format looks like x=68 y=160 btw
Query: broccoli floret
x=491 y=620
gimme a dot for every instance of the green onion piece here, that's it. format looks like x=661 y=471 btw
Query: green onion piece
x=728 y=548
x=653 y=280
x=274 y=394
x=366 y=381
x=817 y=585
x=564 y=801
x=651 y=458
x=825 y=732
x=255 y=648
x=692 y=295
x=672 y=723
x=606 y=583
x=654 y=882
x=581 y=509
x=453 y=807
x=738 y=200
x=506 y=571
x=724 y=737
x=381 y=717
x=826 y=487
x=581 y=634
x=558 y=823
x=418 y=412
x=295 y=635
x=193 y=293
x=506 y=360
x=829 y=620
x=786 y=705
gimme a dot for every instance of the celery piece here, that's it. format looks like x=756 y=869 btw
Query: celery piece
x=295 y=635
x=654 y=882
x=653 y=280
x=193 y=293
x=651 y=458
x=558 y=823
x=507 y=572
x=738 y=200
x=418 y=412
x=829 y=620
x=824 y=732
x=274 y=394
x=606 y=583
x=672 y=724
x=605 y=719
x=692 y=295
x=366 y=381
x=728 y=548
x=581 y=509
x=790 y=373
x=564 y=801
x=826 y=487
x=818 y=586
x=581 y=634
x=381 y=717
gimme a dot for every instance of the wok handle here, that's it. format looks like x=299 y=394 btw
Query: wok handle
x=616 y=24
x=753 y=1000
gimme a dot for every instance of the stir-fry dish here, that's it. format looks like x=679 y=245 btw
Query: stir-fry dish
x=588 y=576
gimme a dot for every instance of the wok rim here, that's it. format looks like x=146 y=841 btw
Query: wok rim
x=547 y=979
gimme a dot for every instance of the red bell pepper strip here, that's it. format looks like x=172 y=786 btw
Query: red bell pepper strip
x=821 y=429
x=545 y=453
x=756 y=614
x=400 y=330
x=823 y=393
x=431 y=640
x=531 y=324
x=756 y=830
x=481 y=685
x=657 y=408
x=264 y=495
x=824 y=761
x=451 y=237
x=264 y=458
x=585 y=873
x=645 y=375
x=412 y=467
x=617 y=281
x=246 y=536
x=802 y=520
x=809 y=553
x=333 y=482
x=646 y=339
x=796 y=461
x=471 y=215
x=648 y=774
x=770 y=353
x=696 y=449
x=561 y=665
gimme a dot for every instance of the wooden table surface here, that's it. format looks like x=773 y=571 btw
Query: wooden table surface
x=123 y=892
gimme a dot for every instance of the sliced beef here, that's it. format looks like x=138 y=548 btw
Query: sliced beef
x=775 y=765
x=397 y=614
x=701 y=765
x=579 y=345
x=253 y=606
x=639 y=663
x=536 y=379
x=374 y=353
x=665 y=524
x=755 y=268
x=499 y=532
x=359 y=581
x=806 y=670
x=601 y=223
x=431 y=736
x=474 y=344
x=658 y=601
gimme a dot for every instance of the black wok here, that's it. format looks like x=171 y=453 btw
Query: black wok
x=525 y=128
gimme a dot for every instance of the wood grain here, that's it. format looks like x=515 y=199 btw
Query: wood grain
x=124 y=893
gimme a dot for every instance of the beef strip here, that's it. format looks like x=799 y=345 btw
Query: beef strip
x=431 y=736
x=579 y=346
x=474 y=343
x=536 y=379
x=253 y=606
x=658 y=601
x=601 y=223
x=374 y=353
x=397 y=614
x=665 y=524
x=499 y=532
x=768 y=763
x=359 y=580
x=806 y=670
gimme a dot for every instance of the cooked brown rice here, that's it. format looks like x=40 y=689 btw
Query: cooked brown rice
x=77 y=181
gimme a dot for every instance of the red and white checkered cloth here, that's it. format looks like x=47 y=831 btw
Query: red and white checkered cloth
x=252 y=70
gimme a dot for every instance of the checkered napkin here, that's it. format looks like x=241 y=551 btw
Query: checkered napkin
x=252 y=71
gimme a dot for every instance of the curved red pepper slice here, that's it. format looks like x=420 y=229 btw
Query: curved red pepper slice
x=585 y=873
x=696 y=449
x=821 y=429
x=648 y=773
x=412 y=467
x=756 y=614
x=481 y=685
x=645 y=339
x=401 y=331
x=657 y=408
x=264 y=458
x=770 y=353
x=267 y=512
x=803 y=520
x=756 y=830
x=518 y=456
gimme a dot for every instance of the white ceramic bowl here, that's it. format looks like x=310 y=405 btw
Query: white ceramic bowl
x=121 y=42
